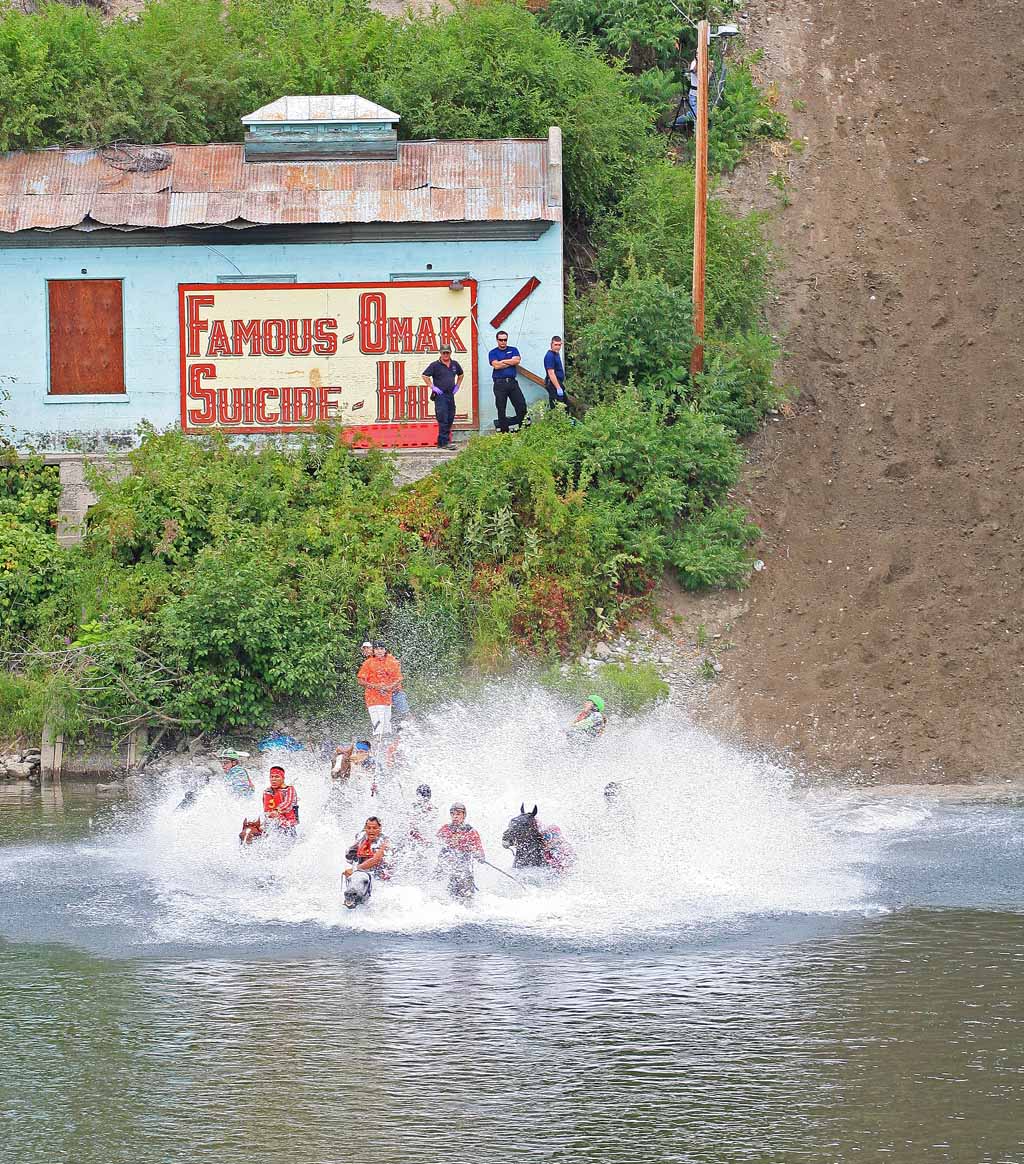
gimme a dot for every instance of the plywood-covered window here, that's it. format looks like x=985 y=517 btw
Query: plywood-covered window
x=86 y=337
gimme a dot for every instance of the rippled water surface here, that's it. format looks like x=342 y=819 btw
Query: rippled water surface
x=739 y=970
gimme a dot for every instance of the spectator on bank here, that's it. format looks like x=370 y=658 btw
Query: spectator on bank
x=380 y=677
x=554 y=373
x=444 y=378
x=504 y=359
x=367 y=649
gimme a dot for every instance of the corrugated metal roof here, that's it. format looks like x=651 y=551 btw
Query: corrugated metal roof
x=431 y=181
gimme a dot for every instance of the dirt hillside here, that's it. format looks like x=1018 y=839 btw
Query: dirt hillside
x=885 y=633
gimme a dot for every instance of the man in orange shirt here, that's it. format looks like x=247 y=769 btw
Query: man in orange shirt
x=380 y=676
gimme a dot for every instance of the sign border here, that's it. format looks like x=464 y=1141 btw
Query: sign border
x=240 y=430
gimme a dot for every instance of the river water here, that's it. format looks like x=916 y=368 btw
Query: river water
x=740 y=968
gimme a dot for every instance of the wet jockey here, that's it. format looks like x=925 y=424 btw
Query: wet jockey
x=422 y=817
x=460 y=847
x=370 y=860
x=237 y=779
x=559 y=855
x=280 y=804
x=591 y=721
x=371 y=851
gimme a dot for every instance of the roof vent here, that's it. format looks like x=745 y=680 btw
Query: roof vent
x=318 y=129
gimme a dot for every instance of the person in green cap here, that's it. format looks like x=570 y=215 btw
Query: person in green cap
x=237 y=779
x=591 y=721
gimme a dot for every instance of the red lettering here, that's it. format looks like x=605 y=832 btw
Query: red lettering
x=274 y=337
x=286 y=405
x=300 y=346
x=229 y=414
x=373 y=309
x=390 y=390
x=245 y=332
x=325 y=406
x=450 y=325
x=196 y=374
x=193 y=324
x=400 y=333
x=247 y=407
x=262 y=396
x=426 y=337
x=305 y=405
x=325 y=343
x=218 y=345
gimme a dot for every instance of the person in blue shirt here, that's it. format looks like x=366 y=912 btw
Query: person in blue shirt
x=504 y=360
x=444 y=377
x=554 y=373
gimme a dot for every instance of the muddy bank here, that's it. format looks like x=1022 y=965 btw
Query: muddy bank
x=885 y=634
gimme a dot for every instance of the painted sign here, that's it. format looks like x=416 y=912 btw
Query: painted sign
x=273 y=357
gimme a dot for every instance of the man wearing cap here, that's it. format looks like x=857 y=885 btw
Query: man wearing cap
x=366 y=649
x=460 y=847
x=280 y=804
x=380 y=677
x=504 y=360
x=444 y=378
x=236 y=777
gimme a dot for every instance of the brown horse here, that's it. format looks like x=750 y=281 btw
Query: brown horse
x=252 y=830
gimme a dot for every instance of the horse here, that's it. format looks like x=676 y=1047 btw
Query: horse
x=523 y=837
x=252 y=830
x=357 y=888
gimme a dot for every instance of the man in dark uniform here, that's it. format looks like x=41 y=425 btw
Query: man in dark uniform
x=443 y=377
x=504 y=361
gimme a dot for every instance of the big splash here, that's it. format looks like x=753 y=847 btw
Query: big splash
x=700 y=837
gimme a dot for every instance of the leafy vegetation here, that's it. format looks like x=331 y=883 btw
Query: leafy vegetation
x=630 y=688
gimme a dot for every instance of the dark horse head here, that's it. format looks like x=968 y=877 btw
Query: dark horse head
x=523 y=837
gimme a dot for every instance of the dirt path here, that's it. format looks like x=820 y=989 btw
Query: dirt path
x=885 y=634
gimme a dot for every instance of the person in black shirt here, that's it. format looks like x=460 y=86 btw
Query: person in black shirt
x=444 y=377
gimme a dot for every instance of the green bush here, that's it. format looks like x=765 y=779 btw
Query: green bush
x=641 y=33
x=743 y=116
x=31 y=562
x=713 y=551
x=637 y=327
x=736 y=387
x=627 y=688
x=653 y=223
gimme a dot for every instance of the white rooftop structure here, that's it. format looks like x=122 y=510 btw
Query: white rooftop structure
x=310 y=110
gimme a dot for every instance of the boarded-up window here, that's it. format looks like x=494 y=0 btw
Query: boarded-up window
x=86 y=337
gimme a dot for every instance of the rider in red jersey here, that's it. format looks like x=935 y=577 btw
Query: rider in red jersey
x=280 y=804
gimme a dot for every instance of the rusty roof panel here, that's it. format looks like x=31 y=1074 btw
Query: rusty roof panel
x=447 y=205
x=438 y=181
x=411 y=171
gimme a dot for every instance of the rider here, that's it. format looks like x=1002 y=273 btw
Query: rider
x=370 y=853
x=559 y=855
x=237 y=779
x=280 y=804
x=591 y=721
x=423 y=816
x=460 y=847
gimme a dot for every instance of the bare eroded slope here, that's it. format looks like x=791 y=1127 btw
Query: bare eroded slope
x=886 y=634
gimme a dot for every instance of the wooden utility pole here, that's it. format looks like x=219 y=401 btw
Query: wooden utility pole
x=700 y=197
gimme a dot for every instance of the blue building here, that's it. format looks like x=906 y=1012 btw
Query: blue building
x=308 y=273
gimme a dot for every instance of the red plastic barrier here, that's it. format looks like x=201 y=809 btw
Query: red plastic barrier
x=393 y=436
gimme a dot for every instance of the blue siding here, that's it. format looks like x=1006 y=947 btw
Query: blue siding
x=151 y=275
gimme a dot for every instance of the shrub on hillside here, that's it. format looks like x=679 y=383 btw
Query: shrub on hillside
x=653 y=223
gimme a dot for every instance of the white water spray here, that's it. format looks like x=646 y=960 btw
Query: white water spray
x=703 y=835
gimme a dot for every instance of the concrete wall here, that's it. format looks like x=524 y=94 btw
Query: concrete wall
x=151 y=275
